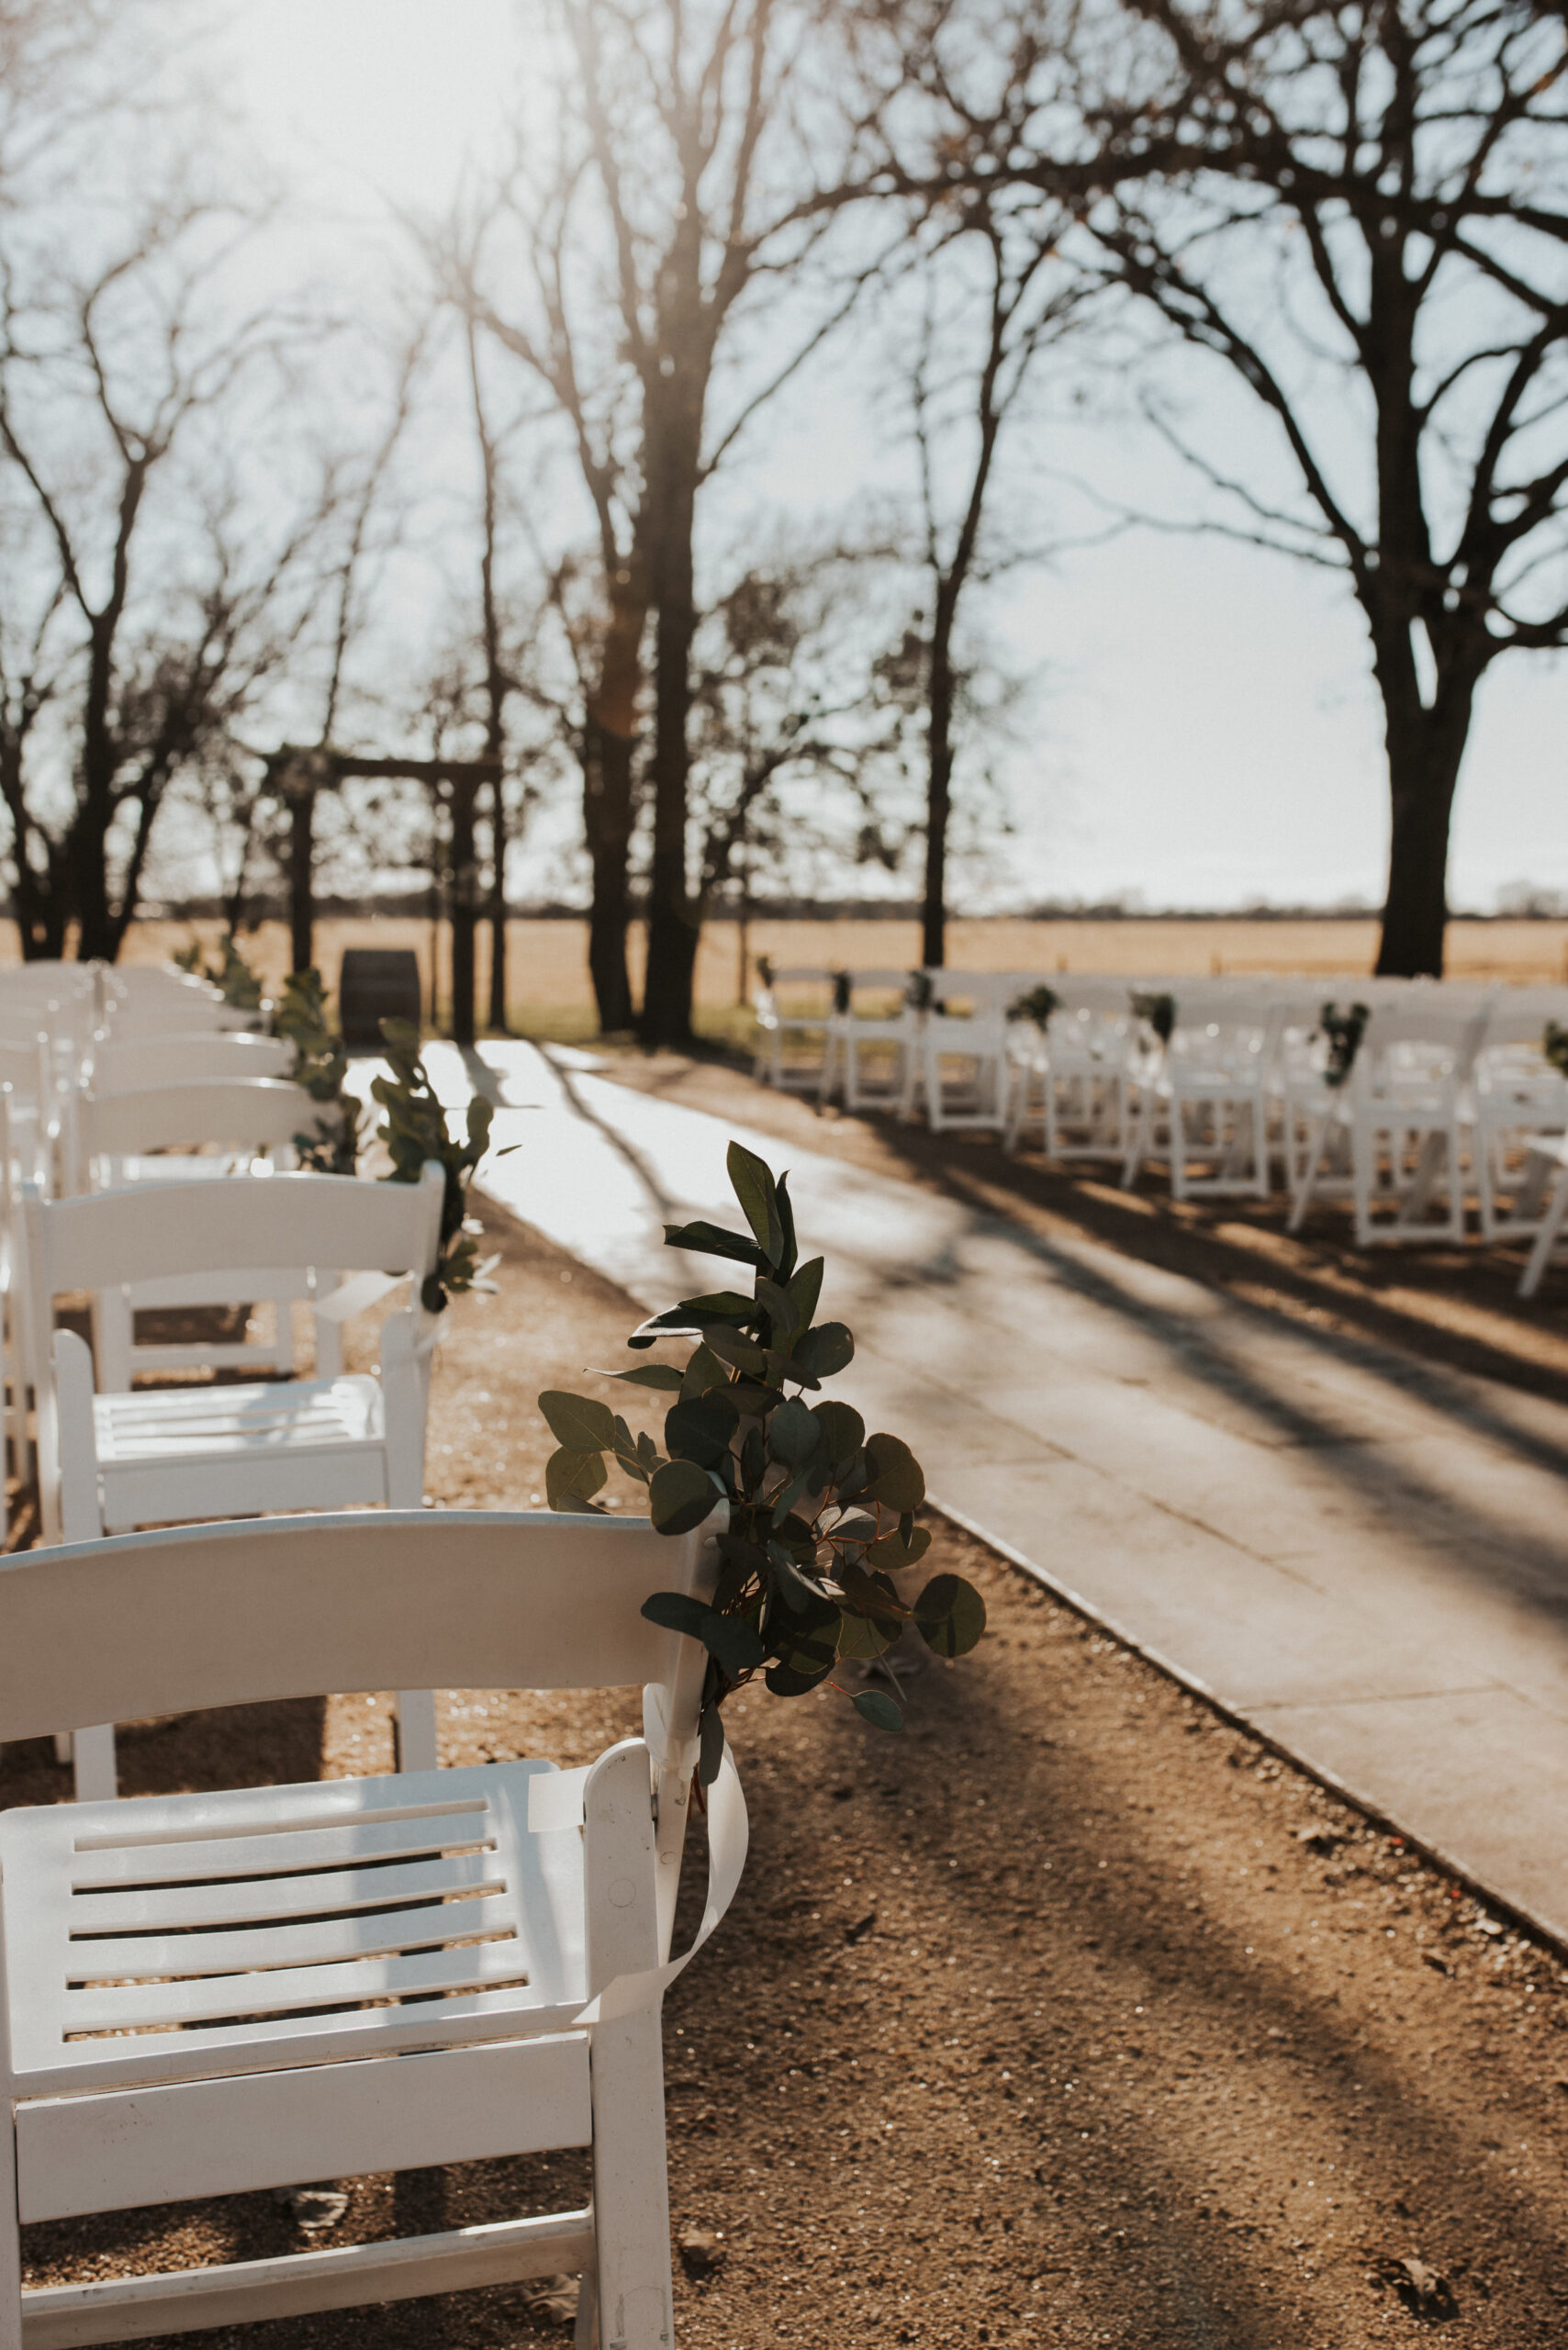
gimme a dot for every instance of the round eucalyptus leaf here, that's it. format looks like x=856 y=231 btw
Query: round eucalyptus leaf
x=951 y=1615
x=793 y=1434
x=896 y=1480
x=578 y=1421
x=875 y=1706
x=679 y=1496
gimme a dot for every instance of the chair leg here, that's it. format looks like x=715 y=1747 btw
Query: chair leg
x=1546 y=1238
x=584 y=2334
x=95 y=1772
x=10 y=2232
x=415 y=1730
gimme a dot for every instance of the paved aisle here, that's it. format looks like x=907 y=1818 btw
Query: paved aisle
x=1365 y=1556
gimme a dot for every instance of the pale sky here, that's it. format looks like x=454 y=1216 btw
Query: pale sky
x=1208 y=733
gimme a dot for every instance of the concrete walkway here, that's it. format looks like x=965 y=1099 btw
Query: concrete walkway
x=1364 y=1556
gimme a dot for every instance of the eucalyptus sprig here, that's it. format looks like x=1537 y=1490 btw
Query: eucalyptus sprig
x=416 y=1130
x=821 y=1514
x=1554 y=1045
x=321 y=1066
x=1158 y=1010
x=234 y=977
x=1344 y=1031
x=1036 y=1005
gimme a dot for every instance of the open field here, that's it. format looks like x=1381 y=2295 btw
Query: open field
x=548 y=971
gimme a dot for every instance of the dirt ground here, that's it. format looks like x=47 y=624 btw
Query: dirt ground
x=1072 y=2016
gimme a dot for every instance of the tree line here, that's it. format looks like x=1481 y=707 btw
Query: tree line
x=1354 y=217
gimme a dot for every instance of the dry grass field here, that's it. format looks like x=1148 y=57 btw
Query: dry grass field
x=548 y=967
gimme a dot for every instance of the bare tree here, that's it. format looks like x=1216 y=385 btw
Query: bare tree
x=105 y=384
x=692 y=184
x=803 y=726
x=1370 y=233
x=550 y=318
x=995 y=297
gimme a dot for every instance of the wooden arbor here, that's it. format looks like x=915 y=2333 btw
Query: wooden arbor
x=299 y=776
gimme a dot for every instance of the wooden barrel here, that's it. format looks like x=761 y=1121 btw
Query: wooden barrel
x=377 y=983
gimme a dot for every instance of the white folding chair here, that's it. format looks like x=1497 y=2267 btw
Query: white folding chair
x=868 y=1041
x=1404 y=1116
x=1074 y=1077
x=152 y=1457
x=957 y=1067
x=1518 y=1095
x=791 y=1035
x=212 y=1994
x=139 y=999
x=181 y=1133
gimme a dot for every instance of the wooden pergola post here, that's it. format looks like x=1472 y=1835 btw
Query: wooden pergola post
x=299 y=776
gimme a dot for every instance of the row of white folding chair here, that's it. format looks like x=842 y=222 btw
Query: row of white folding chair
x=122 y=1458
x=503 y=1933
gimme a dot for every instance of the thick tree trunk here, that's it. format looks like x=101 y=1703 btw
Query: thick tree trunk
x=607 y=822
x=463 y=907
x=610 y=746
x=674 y=920
x=938 y=803
x=302 y=879
x=1425 y=740
x=499 y=905
x=1423 y=765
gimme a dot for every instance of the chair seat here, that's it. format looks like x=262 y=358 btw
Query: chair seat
x=207 y=1451
x=177 y=1938
x=209 y=1423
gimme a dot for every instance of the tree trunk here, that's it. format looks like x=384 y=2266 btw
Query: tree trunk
x=463 y=908
x=607 y=820
x=1423 y=769
x=499 y=905
x=938 y=788
x=302 y=878
x=90 y=858
x=674 y=921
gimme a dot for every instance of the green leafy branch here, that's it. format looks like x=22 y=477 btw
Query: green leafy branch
x=1158 y=1011
x=321 y=1066
x=416 y=1130
x=1344 y=1031
x=233 y=977
x=1554 y=1045
x=1037 y=1005
x=821 y=1514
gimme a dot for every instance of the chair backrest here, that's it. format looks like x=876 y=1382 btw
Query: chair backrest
x=1450 y=1032
x=272 y=1222
x=246 y=1114
x=125 y=1065
x=268 y=1608
x=22 y=1068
